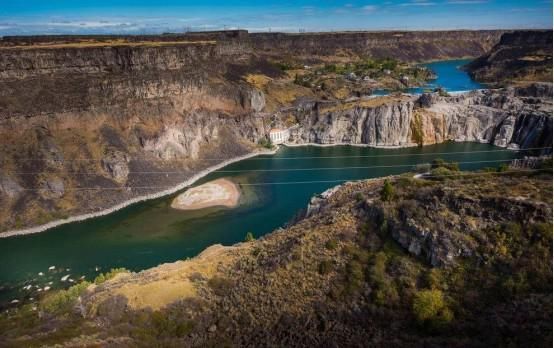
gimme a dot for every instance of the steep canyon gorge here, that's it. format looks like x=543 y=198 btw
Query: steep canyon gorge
x=75 y=117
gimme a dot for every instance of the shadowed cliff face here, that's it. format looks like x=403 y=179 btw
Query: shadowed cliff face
x=519 y=56
x=406 y=46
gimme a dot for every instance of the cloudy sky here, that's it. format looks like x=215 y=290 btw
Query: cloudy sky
x=18 y=17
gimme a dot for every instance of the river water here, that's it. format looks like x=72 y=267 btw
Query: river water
x=149 y=233
x=450 y=77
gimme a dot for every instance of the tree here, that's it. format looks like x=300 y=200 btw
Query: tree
x=387 y=192
x=430 y=308
x=249 y=237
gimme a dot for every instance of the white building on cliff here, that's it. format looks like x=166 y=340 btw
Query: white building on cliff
x=279 y=136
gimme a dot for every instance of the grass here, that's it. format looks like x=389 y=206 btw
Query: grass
x=112 y=43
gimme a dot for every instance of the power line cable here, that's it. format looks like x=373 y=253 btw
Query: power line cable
x=297 y=157
x=285 y=182
x=274 y=169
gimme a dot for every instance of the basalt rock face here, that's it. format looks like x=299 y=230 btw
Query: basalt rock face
x=99 y=117
x=502 y=117
x=408 y=46
x=519 y=56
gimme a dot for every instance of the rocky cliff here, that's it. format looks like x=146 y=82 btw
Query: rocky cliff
x=78 y=115
x=515 y=117
x=407 y=46
x=519 y=56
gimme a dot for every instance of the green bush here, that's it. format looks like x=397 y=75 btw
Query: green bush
x=503 y=167
x=249 y=237
x=266 y=143
x=440 y=163
x=387 y=193
x=102 y=277
x=430 y=309
x=331 y=244
x=355 y=276
x=63 y=299
x=389 y=64
x=442 y=173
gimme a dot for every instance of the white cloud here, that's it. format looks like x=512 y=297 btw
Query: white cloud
x=467 y=2
x=369 y=8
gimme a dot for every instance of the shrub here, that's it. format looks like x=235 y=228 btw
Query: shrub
x=423 y=168
x=503 y=167
x=249 y=237
x=387 y=192
x=430 y=309
x=265 y=142
x=442 y=173
x=325 y=267
x=219 y=285
x=331 y=244
x=355 y=276
x=108 y=275
x=359 y=197
x=63 y=299
x=440 y=163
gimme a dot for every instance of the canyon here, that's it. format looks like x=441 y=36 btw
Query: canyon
x=77 y=117
x=89 y=123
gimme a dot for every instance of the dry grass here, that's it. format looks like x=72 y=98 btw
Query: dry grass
x=111 y=43
x=158 y=287
x=258 y=80
x=369 y=103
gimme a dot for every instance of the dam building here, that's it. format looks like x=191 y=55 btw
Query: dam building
x=278 y=135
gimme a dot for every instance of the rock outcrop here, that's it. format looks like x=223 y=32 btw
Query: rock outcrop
x=519 y=56
x=500 y=117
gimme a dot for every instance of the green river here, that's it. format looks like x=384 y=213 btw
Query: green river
x=149 y=233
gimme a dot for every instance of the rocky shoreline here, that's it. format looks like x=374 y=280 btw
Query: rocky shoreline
x=125 y=204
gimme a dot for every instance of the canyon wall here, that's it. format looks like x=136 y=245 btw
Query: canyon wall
x=402 y=45
x=524 y=55
x=77 y=118
x=516 y=117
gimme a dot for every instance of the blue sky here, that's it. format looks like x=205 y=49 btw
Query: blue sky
x=155 y=16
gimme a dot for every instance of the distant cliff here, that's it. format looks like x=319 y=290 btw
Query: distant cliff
x=403 y=45
x=519 y=56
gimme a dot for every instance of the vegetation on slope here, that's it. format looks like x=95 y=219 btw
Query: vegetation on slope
x=457 y=260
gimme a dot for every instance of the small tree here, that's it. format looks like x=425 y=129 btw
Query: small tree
x=430 y=308
x=249 y=237
x=387 y=192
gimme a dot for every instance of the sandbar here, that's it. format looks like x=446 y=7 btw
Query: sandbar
x=220 y=192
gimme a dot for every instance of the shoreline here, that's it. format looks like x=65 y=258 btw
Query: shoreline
x=391 y=147
x=189 y=182
x=171 y=190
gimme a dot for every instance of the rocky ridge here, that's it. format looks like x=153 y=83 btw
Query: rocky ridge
x=519 y=56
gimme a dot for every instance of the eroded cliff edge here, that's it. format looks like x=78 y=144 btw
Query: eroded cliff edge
x=77 y=119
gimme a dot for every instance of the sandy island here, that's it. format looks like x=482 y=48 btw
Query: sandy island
x=220 y=192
